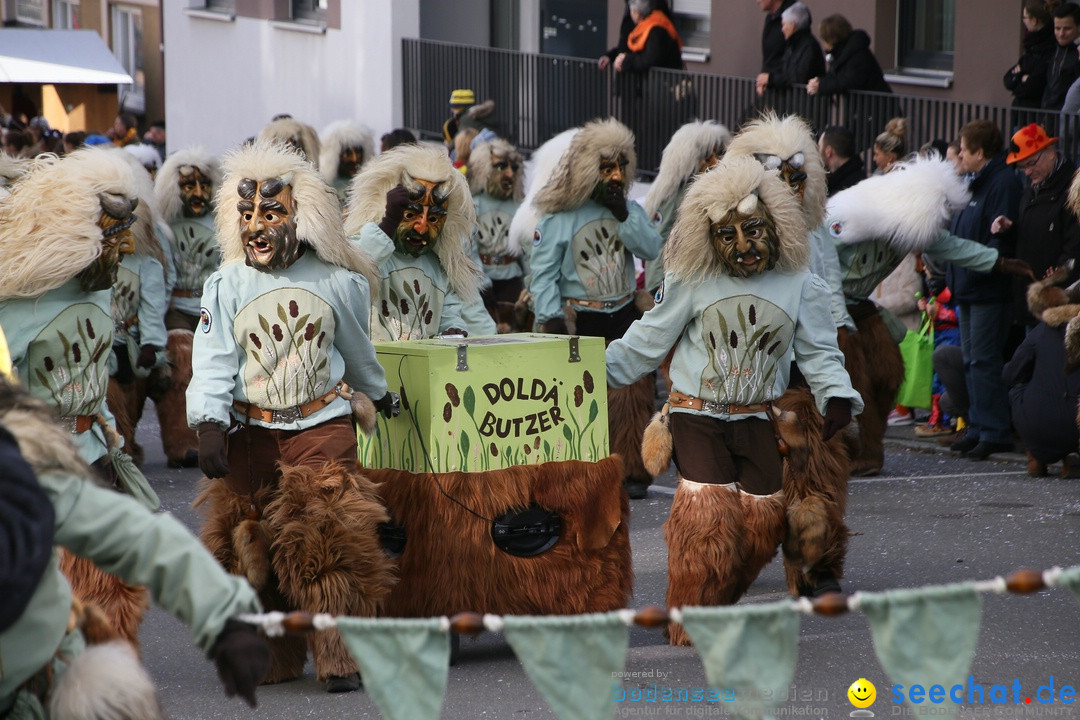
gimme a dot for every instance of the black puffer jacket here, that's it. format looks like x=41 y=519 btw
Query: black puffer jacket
x=852 y=66
x=1028 y=81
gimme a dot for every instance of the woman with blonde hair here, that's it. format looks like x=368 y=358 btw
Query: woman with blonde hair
x=890 y=146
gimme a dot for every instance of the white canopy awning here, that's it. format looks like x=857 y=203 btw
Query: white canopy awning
x=58 y=57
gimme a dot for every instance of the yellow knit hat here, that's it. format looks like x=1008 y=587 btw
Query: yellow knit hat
x=462 y=97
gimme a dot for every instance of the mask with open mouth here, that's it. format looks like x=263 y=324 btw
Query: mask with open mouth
x=424 y=216
x=792 y=170
x=268 y=223
x=117 y=217
x=745 y=239
x=349 y=161
x=196 y=190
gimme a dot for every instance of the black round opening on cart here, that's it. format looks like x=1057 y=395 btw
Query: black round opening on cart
x=528 y=532
x=392 y=538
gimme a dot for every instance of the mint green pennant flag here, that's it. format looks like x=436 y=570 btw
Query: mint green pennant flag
x=571 y=659
x=403 y=663
x=1070 y=578
x=925 y=636
x=750 y=649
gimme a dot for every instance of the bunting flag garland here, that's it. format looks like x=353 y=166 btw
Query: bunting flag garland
x=924 y=636
x=749 y=649
x=571 y=659
x=403 y=663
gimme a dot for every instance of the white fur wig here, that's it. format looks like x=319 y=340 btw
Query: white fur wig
x=289 y=130
x=147 y=155
x=575 y=178
x=783 y=137
x=690 y=144
x=906 y=206
x=367 y=203
x=689 y=252
x=49 y=229
x=318 y=212
x=336 y=137
x=479 y=169
x=11 y=169
x=542 y=164
x=166 y=183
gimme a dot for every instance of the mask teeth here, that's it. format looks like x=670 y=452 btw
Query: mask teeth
x=119 y=227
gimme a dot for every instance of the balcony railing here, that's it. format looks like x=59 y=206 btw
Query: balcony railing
x=538 y=96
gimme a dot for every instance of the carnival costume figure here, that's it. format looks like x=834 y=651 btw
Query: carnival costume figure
x=496 y=178
x=345 y=147
x=63 y=230
x=583 y=257
x=284 y=327
x=693 y=149
x=139 y=303
x=737 y=306
x=184 y=188
x=410 y=210
x=59 y=658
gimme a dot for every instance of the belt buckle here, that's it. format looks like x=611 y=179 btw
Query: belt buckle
x=286 y=415
x=714 y=407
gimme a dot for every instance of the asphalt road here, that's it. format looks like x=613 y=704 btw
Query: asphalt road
x=930 y=518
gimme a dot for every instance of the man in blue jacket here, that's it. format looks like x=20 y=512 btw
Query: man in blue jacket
x=982 y=299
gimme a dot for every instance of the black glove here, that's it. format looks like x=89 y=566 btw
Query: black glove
x=837 y=416
x=555 y=326
x=242 y=658
x=454 y=331
x=397 y=199
x=614 y=199
x=147 y=356
x=389 y=405
x=213 y=458
x=1014 y=266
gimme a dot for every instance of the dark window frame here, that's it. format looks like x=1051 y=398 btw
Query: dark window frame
x=909 y=56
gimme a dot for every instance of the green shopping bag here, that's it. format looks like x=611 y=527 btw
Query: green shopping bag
x=917 y=350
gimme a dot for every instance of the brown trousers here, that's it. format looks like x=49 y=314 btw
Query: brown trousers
x=709 y=450
x=255 y=451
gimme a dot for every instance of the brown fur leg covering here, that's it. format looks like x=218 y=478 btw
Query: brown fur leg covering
x=121 y=603
x=878 y=382
x=242 y=546
x=122 y=400
x=815 y=487
x=178 y=440
x=629 y=411
x=706 y=555
x=327 y=554
x=766 y=527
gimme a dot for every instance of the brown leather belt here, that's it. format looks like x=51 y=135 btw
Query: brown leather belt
x=497 y=259
x=187 y=293
x=290 y=414
x=77 y=424
x=600 y=304
x=678 y=400
x=127 y=324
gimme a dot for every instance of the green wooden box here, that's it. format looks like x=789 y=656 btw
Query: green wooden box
x=484 y=403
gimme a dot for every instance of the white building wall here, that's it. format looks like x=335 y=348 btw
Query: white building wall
x=224 y=81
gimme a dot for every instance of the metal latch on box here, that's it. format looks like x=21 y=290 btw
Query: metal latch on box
x=575 y=355
x=462 y=358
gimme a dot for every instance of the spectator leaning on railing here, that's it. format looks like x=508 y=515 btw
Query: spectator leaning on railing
x=850 y=63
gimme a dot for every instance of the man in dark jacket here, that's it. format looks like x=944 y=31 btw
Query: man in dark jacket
x=1046 y=232
x=772 y=36
x=802 y=58
x=1064 y=63
x=845 y=167
x=982 y=298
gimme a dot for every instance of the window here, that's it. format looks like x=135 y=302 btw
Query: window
x=225 y=6
x=65 y=15
x=925 y=34
x=127 y=46
x=692 y=19
x=31 y=13
x=310 y=10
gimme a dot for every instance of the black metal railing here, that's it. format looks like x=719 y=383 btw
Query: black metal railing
x=538 y=96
